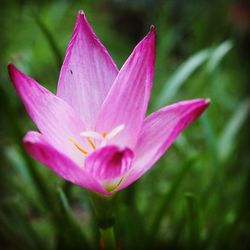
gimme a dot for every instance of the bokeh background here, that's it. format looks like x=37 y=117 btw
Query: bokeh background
x=197 y=195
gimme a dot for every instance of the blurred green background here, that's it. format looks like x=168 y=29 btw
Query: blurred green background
x=197 y=195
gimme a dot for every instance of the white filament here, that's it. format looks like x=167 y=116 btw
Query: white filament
x=115 y=131
x=103 y=138
x=92 y=134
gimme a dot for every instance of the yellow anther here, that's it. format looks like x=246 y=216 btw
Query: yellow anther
x=104 y=134
x=78 y=146
x=91 y=143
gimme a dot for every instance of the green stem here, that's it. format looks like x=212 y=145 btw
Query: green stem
x=108 y=241
x=103 y=207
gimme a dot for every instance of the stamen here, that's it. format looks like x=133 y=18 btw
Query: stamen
x=91 y=142
x=101 y=138
x=77 y=145
x=115 y=131
x=91 y=134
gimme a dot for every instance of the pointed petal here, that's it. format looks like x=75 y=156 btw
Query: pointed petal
x=159 y=131
x=109 y=164
x=87 y=73
x=127 y=101
x=38 y=147
x=54 y=118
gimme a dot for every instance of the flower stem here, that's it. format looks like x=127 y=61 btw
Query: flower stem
x=103 y=207
x=108 y=241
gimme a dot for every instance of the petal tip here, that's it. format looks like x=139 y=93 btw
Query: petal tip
x=152 y=32
x=152 y=28
x=13 y=72
x=10 y=64
x=81 y=13
x=81 y=18
x=11 y=67
x=150 y=38
x=31 y=138
x=207 y=101
x=201 y=107
x=204 y=102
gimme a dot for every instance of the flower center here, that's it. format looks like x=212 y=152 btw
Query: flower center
x=96 y=140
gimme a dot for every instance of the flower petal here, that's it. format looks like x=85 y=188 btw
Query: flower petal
x=159 y=131
x=54 y=118
x=109 y=164
x=87 y=73
x=37 y=145
x=128 y=98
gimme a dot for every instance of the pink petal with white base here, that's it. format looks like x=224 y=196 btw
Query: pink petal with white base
x=159 y=131
x=37 y=145
x=54 y=118
x=127 y=101
x=87 y=73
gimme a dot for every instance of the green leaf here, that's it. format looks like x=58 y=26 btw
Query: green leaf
x=17 y=227
x=194 y=229
x=18 y=163
x=15 y=132
x=46 y=196
x=165 y=203
x=51 y=40
x=227 y=139
x=184 y=147
x=184 y=71
x=214 y=57
x=133 y=237
x=210 y=138
x=69 y=234
x=63 y=201
x=218 y=54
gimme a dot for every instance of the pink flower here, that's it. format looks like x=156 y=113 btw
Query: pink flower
x=93 y=132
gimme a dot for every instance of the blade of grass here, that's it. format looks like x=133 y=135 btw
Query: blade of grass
x=132 y=237
x=183 y=146
x=184 y=71
x=194 y=229
x=165 y=203
x=70 y=235
x=15 y=222
x=218 y=54
x=16 y=134
x=210 y=138
x=213 y=56
x=127 y=214
x=232 y=128
x=46 y=196
x=51 y=40
x=16 y=160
